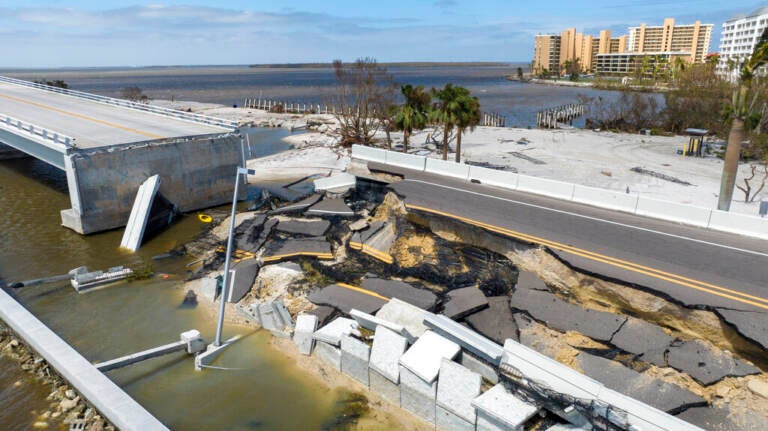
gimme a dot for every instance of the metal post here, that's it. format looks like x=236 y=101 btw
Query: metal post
x=240 y=171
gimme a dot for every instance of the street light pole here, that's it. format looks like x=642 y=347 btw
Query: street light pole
x=240 y=171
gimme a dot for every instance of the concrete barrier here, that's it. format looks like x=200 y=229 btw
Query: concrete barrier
x=493 y=177
x=739 y=223
x=688 y=214
x=541 y=186
x=449 y=169
x=408 y=161
x=117 y=406
x=370 y=154
x=604 y=198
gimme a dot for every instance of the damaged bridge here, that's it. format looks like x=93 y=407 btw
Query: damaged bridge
x=108 y=147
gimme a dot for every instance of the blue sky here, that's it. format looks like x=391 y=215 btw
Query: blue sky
x=52 y=33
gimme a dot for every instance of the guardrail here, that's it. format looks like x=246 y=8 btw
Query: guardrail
x=619 y=201
x=60 y=141
x=166 y=112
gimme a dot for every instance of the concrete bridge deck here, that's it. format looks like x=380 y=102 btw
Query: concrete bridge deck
x=92 y=123
x=108 y=147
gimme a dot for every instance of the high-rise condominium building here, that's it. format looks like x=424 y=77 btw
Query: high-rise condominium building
x=553 y=51
x=546 y=53
x=692 y=38
x=740 y=35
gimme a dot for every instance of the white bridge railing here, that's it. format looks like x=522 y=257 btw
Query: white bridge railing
x=15 y=125
x=181 y=115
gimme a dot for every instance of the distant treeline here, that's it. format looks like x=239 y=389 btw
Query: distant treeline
x=395 y=64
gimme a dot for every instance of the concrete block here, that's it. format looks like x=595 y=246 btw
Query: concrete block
x=272 y=316
x=448 y=421
x=370 y=154
x=688 y=214
x=493 y=177
x=306 y=324
x=466 y=338
x=406 y=315
x=604 y=198
x=498 y=409
x=329 y=354
x=384 y=387
x=369 y=321
x=339 y=181
x=418 y=396
x=456 y=389
x=137 y=221
x=542 y=186
x=209 y=288
x=424 y=357
x=332 y=332
x=387 y=349
x=743 y=224
x=195 y=342
x=447 y=168
x=463 y=302
x=408 y=161
x=354 y=359
x=472 y=363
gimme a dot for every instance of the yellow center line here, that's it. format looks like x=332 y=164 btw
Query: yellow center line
x=83 y=117
x=361 y=290
x=631 y=266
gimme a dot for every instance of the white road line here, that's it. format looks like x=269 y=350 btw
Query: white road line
x=757 y=253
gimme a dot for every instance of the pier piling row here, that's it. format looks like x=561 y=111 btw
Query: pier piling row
x=552 y=117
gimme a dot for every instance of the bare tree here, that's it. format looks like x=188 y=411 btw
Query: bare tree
x=750 y=196
x=364 y=96
x=134 y=94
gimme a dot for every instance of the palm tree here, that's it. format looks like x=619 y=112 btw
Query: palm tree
x=468 y=117
x=413 y=113
x=740 y=110
x=445 y=111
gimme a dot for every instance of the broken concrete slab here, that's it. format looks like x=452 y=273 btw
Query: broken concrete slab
x=354 y=359
x=498 y=409
x=324 y=314
x=657 y=393
x=272 y=316
x=465 y=337
x=137 y=221
x=424 y=357
x=418 y=396
x=401 y=290
x=312 y=247
x=495 y=322
x=345 y=298
x=560 y=315
x=387 y=349
x=336 y=183
x=315 y=228
x=463 y=302
x=299 y=206
x=644 y=339
x=329 y=354
x=478 y=366
x=332 y=332
x=751 y=324
x=456 y=389
x=406 y=315
x=335 y=207
x=306 y=325
x=706 y=364
x=242 y=276
x=358 y=225
x=372 y=322
x=530 y=281
x=209 y=288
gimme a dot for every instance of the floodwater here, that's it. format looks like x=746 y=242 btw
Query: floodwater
x=260 y=389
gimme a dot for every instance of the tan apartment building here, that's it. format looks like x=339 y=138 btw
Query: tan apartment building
x=546 y=53
x=692 y=38
x=552 y=52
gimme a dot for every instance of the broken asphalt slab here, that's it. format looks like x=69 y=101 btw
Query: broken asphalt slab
x=646 y=340
x=331 y=207
x=463 y=302
x=345 y=298
x=403 y=291
x=304 y=227
x=529 y=280
x=298 y=206
x=313 y=247
x=495 y=322
x=750 y=324
x=716 y=419
x=657 y=393
x=705 y=364
x=562 y=316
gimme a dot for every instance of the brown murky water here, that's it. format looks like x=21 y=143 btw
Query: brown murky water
x=262 y=390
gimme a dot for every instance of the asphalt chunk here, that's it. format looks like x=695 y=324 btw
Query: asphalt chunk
x=706 y=364
x=465 y=301
x=495 y=322
x=646 y=340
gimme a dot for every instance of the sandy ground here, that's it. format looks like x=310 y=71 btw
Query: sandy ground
x=597 y=159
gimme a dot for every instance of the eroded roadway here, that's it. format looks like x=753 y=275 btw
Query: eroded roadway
x=696 y=267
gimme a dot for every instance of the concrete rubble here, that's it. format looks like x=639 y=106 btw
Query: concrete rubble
x=463 y=302
x=336 y=183
x=354 y=359
x=468 y=339
x=403 y=291
x=705 y=364
x=424 y=357
x=406 y=315
x=371 y=322
x=306 y=325
x=334 y=331
x=384 y=373
x=456 y=389
x=345 y=299
x=498 y=409
x=272 y=316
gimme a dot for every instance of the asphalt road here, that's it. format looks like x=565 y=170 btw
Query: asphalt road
x=91 y=123
x=692 y=266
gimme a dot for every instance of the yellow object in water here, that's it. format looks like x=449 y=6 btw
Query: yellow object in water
x=205 y=218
